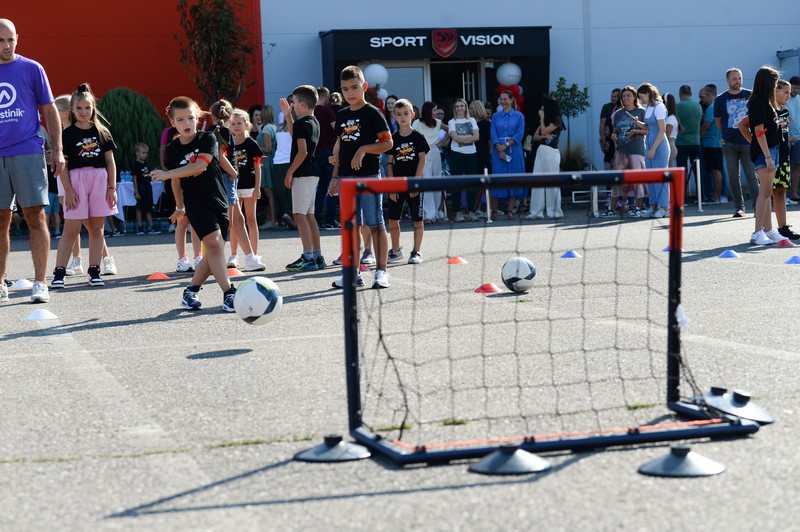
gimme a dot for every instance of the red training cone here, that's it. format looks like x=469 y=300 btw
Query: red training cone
x=784 y=244
x=363 y=268
x=487 y=288
x=234 y=272
x=457 y=260
x=158 y=276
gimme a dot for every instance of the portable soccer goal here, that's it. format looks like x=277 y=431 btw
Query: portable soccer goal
x=589 y=357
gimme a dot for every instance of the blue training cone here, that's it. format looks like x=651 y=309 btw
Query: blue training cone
x=794 y=259
x=729 y=254
x=571 y=255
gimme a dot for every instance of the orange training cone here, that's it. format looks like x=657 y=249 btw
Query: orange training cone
x=487 y=288
x=158 y=276
x=234 y=272
x=457 y=260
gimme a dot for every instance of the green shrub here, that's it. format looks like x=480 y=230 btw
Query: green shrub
x=132 y=118
x=574 y=159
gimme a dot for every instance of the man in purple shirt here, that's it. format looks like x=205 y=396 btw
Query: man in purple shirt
x=24 y=90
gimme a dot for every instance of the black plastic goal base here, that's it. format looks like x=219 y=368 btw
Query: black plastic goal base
x=510 y=460
x=333 y=449
x=682 y=462
x=706 y=427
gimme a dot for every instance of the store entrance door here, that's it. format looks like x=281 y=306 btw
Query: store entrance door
x=455 y=80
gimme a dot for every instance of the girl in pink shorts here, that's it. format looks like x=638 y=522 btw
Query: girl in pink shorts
x=89 y=181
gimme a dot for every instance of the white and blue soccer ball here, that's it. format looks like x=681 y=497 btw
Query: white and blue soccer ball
x=518 y=274
x=258 y=300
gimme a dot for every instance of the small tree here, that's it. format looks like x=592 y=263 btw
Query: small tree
x=132 y=118
x=572 y=100
x=217 y=48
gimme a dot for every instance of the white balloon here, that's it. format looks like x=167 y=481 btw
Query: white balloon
x=375 y=74
x=509 y=74
x=383 y=93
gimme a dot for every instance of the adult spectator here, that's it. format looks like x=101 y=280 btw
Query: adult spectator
x=730 y=108
x=794 y=137
x=326 y=117
x=688 y=140
x=605 y=129
x=23 y=173
x=507 y=129
x=672 y=127
x=711 y=141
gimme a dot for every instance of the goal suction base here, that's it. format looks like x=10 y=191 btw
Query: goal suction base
x=510 y=460
x=737 y=403
x=333 y=449
x=682 y=462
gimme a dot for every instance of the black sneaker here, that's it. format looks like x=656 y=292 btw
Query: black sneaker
x=58 y=277
x=296 y=265
x=321 y=264
x=190 y=299
x=94 y=276
x=788 y=233
x=152 y=231
x=140 y=230
x=227 y=299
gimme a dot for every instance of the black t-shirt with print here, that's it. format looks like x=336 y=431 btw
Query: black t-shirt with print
x=83 y=147
x=761 y=112
x=142 y=174
x=405 y=151
x=243 y=159
x=206 y=189
x=306 y=127
x=224 y=140
x=356 y=129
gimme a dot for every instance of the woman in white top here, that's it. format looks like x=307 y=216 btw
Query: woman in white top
x=280 y=165
x=463 y=131
x=429 y=127
x=655 y=116
x=672 y=127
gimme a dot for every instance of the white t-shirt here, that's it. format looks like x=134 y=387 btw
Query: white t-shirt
x=463 y=126
x=672 y=120
x=431 y=134
x=283 y=153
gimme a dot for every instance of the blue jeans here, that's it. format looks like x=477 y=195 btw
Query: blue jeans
x=371 y=211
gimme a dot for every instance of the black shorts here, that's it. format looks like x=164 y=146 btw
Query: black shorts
x=205 y=219
x=145 y=203
x=395 y=208
x=712 y=157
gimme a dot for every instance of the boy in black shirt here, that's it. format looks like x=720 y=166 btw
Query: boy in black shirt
x=194 y=168
x=406 y=159
x=142 y=190
x=363 y=135
x=302 y=177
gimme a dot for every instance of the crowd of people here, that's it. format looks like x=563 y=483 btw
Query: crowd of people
x=221 y=165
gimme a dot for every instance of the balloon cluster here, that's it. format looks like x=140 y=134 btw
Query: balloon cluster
x=509 y=76
x=376 y=75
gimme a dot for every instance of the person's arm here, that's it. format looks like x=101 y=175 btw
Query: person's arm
x=257 y=168
x=762 y=143
x=333 y=186
x=180 y=208
x=302 y=152
x=603 y=133
x=668 y=129
x=192 y=169
x=744 y=128
x=111 y=168
x=704 y=125
x=53 y=121
x=227 y=167
x=136 y=186
x=495 y=138
x=286 y=109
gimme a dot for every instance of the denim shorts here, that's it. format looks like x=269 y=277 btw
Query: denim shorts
x=761 y=161
x=230 y=189
x=371 y=211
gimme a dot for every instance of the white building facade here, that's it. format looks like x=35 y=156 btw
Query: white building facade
x=600 y=44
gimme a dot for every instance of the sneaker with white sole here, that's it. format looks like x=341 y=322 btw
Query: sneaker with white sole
x=197 y=260
x=233 y=261
x=415 y=257
x=460 y=217
x=339 y=283
x=338 y=261
x=252 y=263
x=190 y=299
x=661 y=213
x=3 y=293
x=227 y=299
x=775 y=236
x=183 y=265
x=109 y=267
x=58 y=277
x=321 y=264
x=396 y=256
x=760 y=238
x=39 y=292
x=381 y=279
x=788 y=233
x=93 y=276
x=367 y=258
x=74 y=267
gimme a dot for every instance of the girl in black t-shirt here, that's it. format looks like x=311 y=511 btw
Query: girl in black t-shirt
x=194 y=167
x=246 y=159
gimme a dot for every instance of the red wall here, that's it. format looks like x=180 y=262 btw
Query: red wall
x=119 y=43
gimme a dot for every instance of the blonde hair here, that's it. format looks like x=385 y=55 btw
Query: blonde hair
x=62 y=103
x=244 y=115
x=84 y=92
x=478 y=110
x=466 y=107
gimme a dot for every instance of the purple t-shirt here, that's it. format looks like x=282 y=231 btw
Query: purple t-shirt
x=23 y=88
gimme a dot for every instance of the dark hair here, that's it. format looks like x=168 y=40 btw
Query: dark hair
x=323 y=92
x=686 y=90
x=426 y=115
x=711 y=87
x=794 y=80
x=764 y=85
x=669 y=103
x=306 y=94
x=617 y=90
x=221 y=110
x=253 y=108
x=552 y=112
x=351 y=72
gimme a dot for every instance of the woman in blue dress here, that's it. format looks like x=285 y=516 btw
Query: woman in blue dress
x=508 y=128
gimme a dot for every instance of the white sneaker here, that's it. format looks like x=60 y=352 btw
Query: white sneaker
x=184 y=265
x=233 y=261
x=790 y=201
x=266 y=225
x=760 y=238
x=171 y=228
x=339 y=283
x=440 y=215
x=649 y=213
x=252 y=263
x=197 y=260
x=75 y=267
x=109 y=268
x=381 y=279
x=723 y=199
x=39 y=293
x=661 y=213
x=532 y=216
x=3 y=292
x=775 y=236
x=460 y=217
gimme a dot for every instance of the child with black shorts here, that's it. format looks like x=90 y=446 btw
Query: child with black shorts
x=142 y=190
x=193 y=165
x=406 y=159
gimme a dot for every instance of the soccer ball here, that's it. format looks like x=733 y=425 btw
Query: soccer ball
x=258 y=300
x=518 y=274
